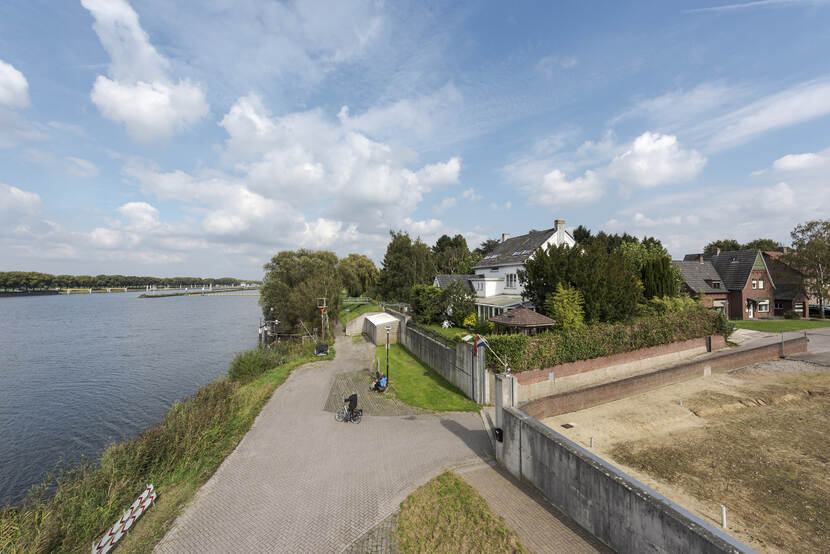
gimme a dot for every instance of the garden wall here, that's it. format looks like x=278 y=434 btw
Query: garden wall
x=539 y=383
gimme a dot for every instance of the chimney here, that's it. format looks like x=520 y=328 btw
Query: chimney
x=700 y=258
x=505 y=236
x=559 y=227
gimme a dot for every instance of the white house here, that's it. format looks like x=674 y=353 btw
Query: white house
x=496 y=283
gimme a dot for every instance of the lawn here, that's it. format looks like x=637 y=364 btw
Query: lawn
x=781 y=325
x=450 y=333
x=448 y=515
x=416 y=384
x=348 y=313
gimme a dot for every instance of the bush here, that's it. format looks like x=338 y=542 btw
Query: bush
x=483 y=326
x=583 y=343
x=470 y=321
x=565 y=307
x=252 y=363
x=792 y=315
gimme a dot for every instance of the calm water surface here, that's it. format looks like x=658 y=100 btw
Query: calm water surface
x=80 y=372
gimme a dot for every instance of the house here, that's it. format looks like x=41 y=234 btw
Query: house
x=701 y=278
x=745 y=276
x=443 y=281
x=789 y=286
x=496 y=283
x=521 y=320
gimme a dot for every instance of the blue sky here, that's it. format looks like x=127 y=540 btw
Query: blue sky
x=152 y=137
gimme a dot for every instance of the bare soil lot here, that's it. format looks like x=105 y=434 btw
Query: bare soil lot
x=756 y=440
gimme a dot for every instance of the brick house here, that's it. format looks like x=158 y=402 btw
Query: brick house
x=789 y=286
x=701 y=278
x=747 y=279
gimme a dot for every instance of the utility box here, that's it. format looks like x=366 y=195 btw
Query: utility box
x=498 y=433
x=374 y=327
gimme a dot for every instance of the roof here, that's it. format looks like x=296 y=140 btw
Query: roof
x=789 y=291
x=696 y=275
x=500 y=300
x=446 y=280
x=517 y=249
x=522 y=317
x=733 y=266
x=381 y=319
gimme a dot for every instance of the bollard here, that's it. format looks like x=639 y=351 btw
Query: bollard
x=681 y=403
x=723 y=516
x=592 y=442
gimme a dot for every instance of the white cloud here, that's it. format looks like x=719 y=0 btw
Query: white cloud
x=802 y=162
x=778 y=197
x=440 y=174
x=555 y=189
x=470 y=194
x=445 y=205
x=549 y=64
x=754 y=4
x=140 y=216
x=501 y=207
x=80 y=167
x=14 y=88
x=795 y=105
x=14 y=201
x=139 y=93
x=654 y=159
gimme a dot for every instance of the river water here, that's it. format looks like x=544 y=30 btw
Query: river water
x=80 y=372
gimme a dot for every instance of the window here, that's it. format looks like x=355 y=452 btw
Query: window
x=755 y=284
x=510 y=281
x=760 y=283
x=763 y=306
x=779 y=305
x=715 y=284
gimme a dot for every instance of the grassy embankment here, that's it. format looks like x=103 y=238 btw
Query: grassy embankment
x=448 y=515
x=416 y=384
x=348 y=313
x=781 y=325
x=763 y=454
x=451 y=333
x=176 y=456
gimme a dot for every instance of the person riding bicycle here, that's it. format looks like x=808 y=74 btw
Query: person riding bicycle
x=352 y=400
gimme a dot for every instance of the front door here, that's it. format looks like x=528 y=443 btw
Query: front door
x=750 y=308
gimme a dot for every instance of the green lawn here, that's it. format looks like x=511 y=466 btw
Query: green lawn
x=450 y=332
x=418 y=385
x=355 y=310
x=781 y=325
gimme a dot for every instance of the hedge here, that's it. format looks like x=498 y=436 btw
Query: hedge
x=523 y=353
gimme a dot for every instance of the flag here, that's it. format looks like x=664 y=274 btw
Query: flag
x=478 y=342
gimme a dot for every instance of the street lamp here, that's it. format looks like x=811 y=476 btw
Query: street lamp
x=388 y=329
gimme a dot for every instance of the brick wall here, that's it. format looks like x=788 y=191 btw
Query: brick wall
x=608 y=392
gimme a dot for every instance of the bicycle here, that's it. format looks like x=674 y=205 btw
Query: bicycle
x=340 y=415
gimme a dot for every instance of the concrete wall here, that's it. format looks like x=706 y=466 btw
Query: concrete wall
x=540 y=383
x=355 y=326
x=608 y=392
x=621 y=512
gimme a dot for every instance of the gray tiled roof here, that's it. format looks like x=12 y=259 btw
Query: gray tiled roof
x=522 y=317
x=516 y=250
x=445 y=280
x=697 y=274
x=733 y=266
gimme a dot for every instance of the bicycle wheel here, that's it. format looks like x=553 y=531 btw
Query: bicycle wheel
x=356 y=416
x=340 y=414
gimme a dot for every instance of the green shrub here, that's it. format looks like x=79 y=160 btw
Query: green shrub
x=252 y=363
x=565 y=307
x=792 y=315
x=470 y=321
x=510 y=348
x=482 y=326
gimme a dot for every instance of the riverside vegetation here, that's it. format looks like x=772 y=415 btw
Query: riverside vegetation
x=67 y=512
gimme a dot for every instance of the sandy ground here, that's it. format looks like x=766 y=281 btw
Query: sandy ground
x=664 y=415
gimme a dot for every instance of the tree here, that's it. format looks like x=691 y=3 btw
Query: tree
x=811 y=256
x=762 y=244
x=358 y=273
x=450 y=253
x=405 y=264
x=659 y=278
x=725 y=245
x=582 y=235
x=427 y=302
x=294 y=280
x=565 y=307
x=486 y=247
x=459 y=301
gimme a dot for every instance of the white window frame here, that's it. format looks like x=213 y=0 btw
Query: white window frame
x=760 y=283
x=754 y=284
x=510 y=281
x=763 y=307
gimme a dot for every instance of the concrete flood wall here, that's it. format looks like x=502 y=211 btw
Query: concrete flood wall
x=608 y=392
x=539 y=383
x=453 y=361
x=618 y=510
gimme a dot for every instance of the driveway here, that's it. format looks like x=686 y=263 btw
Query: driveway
x=301 y=482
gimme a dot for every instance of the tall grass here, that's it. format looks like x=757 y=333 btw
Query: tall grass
x=70 y=510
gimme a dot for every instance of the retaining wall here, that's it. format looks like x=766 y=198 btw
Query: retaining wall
x=539 y=383
x=608 y=392
x=618 y=510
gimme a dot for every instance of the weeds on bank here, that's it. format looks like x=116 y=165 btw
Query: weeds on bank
x=67 y=512
x=448 y=515
x=354 y=311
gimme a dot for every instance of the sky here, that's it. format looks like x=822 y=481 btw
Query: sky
x=167 y=138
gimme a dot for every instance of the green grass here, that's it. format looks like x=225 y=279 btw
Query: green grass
x=450 y=333
x=781 y=325
x=356 y=310
x=416 y=384
x=448 y=515
x=176 y=456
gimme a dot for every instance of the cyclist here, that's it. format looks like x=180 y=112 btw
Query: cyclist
x=352 y=400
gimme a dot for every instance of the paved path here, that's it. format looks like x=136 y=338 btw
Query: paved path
x=301 y=482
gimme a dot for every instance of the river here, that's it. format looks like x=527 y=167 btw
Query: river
x=80 y=372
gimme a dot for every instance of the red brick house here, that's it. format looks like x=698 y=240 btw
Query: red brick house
x=701 y=278
x=747 y=279
x=789 y=286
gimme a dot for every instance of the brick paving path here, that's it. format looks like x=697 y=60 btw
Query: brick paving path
x=372 y=403
x=301 y=482
x=378 y=540
x=540 y=527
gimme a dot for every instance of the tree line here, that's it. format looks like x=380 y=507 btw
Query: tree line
x=33 y=280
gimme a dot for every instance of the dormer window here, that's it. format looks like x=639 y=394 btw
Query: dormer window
x=715 y=284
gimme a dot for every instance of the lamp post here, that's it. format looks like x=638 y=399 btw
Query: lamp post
x=388 y=329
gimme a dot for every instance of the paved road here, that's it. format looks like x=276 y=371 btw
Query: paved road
x=818 y=351
x=301 y=482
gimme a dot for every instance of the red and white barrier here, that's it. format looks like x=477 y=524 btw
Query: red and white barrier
x=144 y=501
